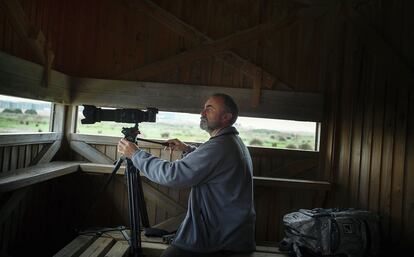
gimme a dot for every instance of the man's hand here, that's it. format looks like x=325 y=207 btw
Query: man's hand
x=127 y=148
x=176 y=144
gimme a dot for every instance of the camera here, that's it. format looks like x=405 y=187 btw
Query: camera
x=93 y=114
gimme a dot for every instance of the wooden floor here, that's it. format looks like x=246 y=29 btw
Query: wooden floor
x=113 y=244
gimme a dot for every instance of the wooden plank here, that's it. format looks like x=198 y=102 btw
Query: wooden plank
x=14 y=157
x=153 y=249
x=100 y=168
x=10 y=205
x=171 y=224
x=6 y=159
x=274 y=104
x=387 y=158
x=172 y=22
x=58 y=120
x=379 y=106
x=292 y=183
x=27 y=139
x=22 y=78
x=99 y=247
x=380 y=47
x=162 y=199
x=21 y=151
x=293 y=168
x=90 y=153
x=207 y=49
x=76 y=247
x=35 y=174
x=120 y=249
x=399 y=158
x=20 y=22
x=408 y=218
x=367 y=132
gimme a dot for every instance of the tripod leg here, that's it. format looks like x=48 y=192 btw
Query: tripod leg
x=133 y=204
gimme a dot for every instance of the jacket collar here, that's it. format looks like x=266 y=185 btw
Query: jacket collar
x=226 y=131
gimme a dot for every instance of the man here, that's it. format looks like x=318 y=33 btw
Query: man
x=220 y=216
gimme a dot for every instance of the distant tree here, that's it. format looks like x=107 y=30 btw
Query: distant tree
x=282 y=138
x=291 y=146
x=27 y=122
x=256 y=141
x=31 y=112
x=165 y=135
x=272 y=137
x=17 y=111
x=274 y=144
x=305 y=147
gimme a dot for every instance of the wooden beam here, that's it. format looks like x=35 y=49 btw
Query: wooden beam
x=207 y=49
x=22 y=78
x=47 y=153
x=189 y=98
x=180 y=27
x=35 y=174
x=27 y=139
x=90 y=153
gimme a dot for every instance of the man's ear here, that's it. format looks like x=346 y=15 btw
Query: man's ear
x=227 y=117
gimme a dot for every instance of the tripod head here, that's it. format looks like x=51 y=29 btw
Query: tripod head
x=131 y=133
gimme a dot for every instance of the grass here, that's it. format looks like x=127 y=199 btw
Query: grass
x=23 y=123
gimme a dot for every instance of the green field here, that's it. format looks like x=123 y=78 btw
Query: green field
x=23 y=123
x=12 y=123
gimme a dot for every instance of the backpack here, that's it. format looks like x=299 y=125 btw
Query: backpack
x=331 y=232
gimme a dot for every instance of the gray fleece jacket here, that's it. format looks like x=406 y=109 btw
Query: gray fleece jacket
x=220 y=213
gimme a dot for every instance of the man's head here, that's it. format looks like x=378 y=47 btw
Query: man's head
x=219 y=111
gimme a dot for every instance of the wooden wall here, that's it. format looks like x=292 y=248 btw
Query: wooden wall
x=271 y=203
x=35 y=214
x=363 y=63
x=104 y=39
x=371 y=117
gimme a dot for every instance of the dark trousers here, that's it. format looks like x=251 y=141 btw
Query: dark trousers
x=174 y=251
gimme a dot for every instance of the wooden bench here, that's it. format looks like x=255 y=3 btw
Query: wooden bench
x=113 y=244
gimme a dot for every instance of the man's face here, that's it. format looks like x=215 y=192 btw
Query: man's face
x=213 y=115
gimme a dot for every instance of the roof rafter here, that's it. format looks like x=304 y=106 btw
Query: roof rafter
x=187 y=31
x=33 y=37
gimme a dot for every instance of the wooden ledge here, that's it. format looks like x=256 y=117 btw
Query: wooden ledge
x=35 y=174
x=258 y=181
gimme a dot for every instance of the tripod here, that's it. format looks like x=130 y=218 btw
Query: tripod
x=137 y=208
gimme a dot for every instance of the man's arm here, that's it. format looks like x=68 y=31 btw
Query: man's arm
x=186 y=172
